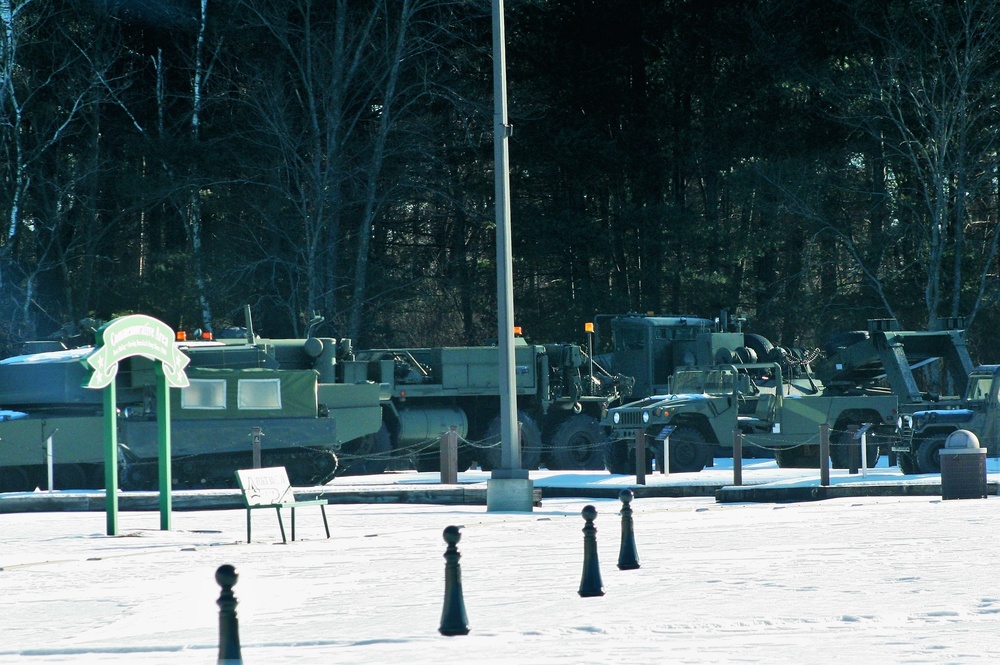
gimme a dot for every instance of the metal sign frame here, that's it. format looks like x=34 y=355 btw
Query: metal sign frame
x=125 y=337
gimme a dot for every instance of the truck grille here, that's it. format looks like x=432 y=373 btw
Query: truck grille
x=631 y=418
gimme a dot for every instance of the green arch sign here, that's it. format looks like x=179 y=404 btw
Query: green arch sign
x=125 y=337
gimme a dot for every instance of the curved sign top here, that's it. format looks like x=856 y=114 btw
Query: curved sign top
x=135 y=335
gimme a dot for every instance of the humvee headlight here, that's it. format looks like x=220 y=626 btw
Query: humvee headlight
x=645 y=416
x=616 y=417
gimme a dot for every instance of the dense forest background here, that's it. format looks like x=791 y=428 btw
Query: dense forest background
x=806 y=165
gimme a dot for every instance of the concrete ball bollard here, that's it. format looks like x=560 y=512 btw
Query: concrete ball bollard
x=229 y=628
x=590 y=583
x=628 y=557
x=453 y=618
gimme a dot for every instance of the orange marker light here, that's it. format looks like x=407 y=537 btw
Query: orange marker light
x=182 y=336
x=517 y=330
x=588 y=327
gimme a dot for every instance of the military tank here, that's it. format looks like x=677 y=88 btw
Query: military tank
x=281 y=395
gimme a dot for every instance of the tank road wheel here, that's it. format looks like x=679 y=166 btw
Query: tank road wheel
x=577 y=443
x=689 y=452
x=69 y=477
x=907 y=463
x=531 y=444
x=929 y=455
x=14 y=479
x=840 y=453
x=367 y=455
x=799 y=457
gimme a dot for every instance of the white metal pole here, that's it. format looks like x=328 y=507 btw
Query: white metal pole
x=48 y=460
x=864 y=454
x=510 y=451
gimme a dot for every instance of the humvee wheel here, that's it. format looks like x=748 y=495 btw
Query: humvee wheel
x=907 y=463
x=689 y=452
x=577 y=444
x=619 y=457
x=929 y=455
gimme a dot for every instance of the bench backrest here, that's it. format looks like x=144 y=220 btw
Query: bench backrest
x=265 y=487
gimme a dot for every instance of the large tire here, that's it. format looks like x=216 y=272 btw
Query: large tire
x=907 y=463
x=799 y=457
x=367 y=455
x=929 y=455
x=14 y=479
x=760 y=345
x=69 y=477
x=577 y=443
x=840 y=453
x=619 y=457
x=531 y=444
x=689 y=452
x=841 y=341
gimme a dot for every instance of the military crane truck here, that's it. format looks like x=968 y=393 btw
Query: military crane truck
x=561 y=397
x=932 y=374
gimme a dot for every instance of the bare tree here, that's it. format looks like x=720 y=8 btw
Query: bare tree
x=929 y=99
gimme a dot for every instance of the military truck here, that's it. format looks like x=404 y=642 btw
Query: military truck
x=561 y=396
x=923 y=432
x=866 y=377
x=931 y=372
x=706 y=404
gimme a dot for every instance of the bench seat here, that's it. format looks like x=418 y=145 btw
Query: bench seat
x=270 y=488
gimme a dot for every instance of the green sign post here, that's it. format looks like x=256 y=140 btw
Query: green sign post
x=127 y=336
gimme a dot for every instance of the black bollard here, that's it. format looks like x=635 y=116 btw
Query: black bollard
x=229 y=627
x=590 y=583
x=628 y=557
x=453 y=619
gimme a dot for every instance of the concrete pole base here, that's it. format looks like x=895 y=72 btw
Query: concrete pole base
x=509 y=495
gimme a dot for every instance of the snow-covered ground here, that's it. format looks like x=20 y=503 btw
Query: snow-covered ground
x=872 y=580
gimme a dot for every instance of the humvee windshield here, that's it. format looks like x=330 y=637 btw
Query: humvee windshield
x=710 y=382
x=979 y=387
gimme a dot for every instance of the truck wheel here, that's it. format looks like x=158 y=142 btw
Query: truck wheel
x=929 y=455
x=689 y=452
x=531 y=444
x=907 y=463
x=577 y=443
x=840 y=454
x=799 y=457
x=367 y=455
x=619 y=457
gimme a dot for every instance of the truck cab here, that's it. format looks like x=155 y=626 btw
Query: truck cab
x=922 y=434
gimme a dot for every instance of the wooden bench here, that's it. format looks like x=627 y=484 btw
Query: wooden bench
x=269 y=488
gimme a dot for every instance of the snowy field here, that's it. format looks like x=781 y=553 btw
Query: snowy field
x=872 y=580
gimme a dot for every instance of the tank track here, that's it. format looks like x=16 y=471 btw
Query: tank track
x=305 y=467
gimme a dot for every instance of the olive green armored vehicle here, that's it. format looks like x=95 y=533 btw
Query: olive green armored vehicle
x=287 y=393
